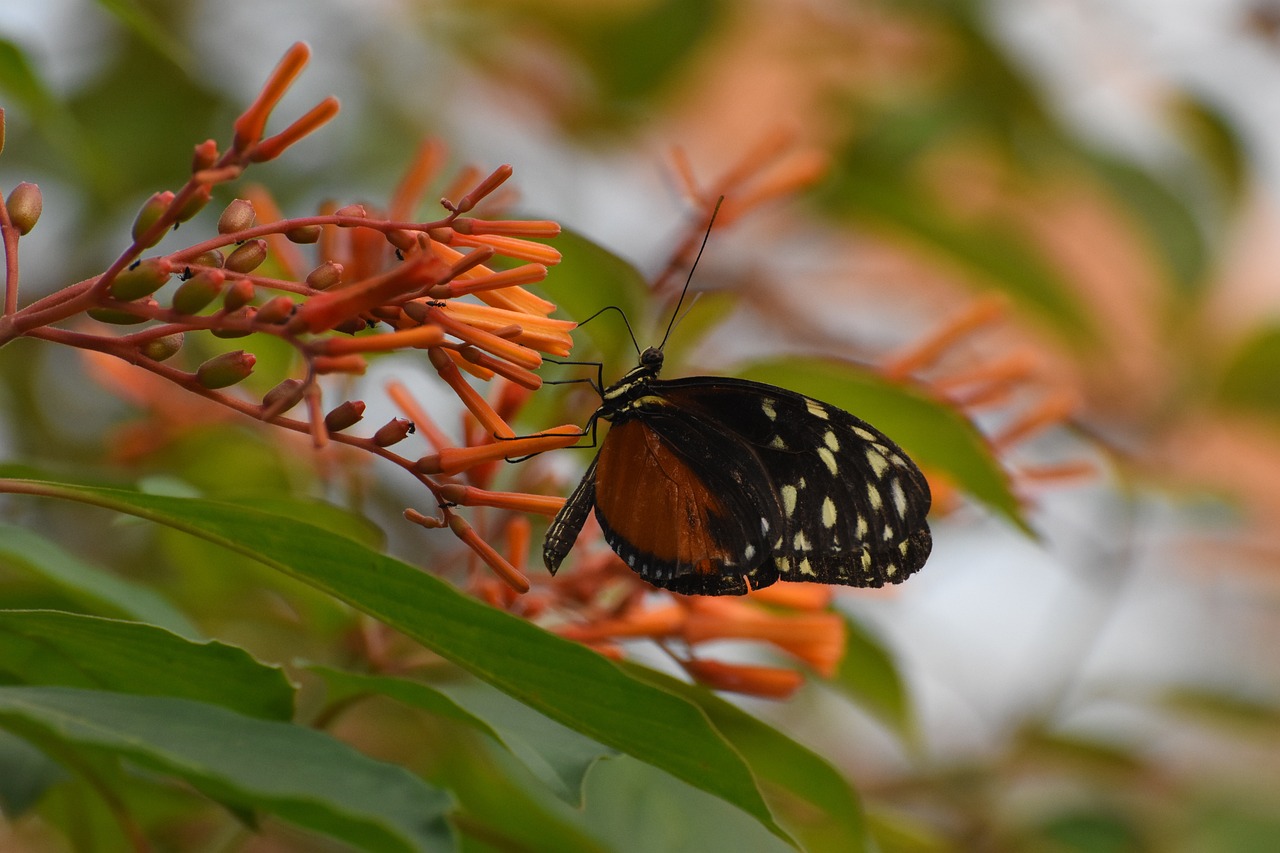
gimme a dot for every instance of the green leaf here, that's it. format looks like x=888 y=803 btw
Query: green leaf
x=20 y=82
x=558 y=756
x=25 y=774
x=70 y=650
x=94 y=588
x=1250 y=380
x=301 y=775
x=935 y=435
x=869 y=676
x=796 y=781
x=1210 y=133
x=148 y=28
x=569 y=683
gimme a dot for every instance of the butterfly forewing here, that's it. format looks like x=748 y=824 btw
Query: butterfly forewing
x=685 y=509
x=853 y=505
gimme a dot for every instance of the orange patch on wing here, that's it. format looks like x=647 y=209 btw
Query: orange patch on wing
x=650 y=497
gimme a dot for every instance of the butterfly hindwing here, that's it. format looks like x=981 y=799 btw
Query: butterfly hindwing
x=567 y=524
x=697 y=499
x=853 y=504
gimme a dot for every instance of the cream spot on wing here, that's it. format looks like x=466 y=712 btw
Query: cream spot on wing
x=801 y=542
x=877 y=462
x=829 y=458
x=891 y=569
x=815 y=408
x=806 y=569
x=777 y=443
x=861 y=531
x=830 y=440
x=873 y=496
x=764 y=526
x=789 y=500
x=904 y=546
x=749 y=551
x=863 y=434
x=899 y=498
x=770 y=412
x=828 y=513
x=888 y=533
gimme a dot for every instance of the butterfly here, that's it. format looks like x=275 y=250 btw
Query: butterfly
x=713 y=486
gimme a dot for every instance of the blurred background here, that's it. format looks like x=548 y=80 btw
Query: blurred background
x=1094 y=669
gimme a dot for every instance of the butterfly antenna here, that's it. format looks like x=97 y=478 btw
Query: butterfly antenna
x=680 y=301
x=625 y=322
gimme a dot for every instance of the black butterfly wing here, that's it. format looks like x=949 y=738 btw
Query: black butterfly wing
x=684 y=504
x=853 y=504
x=567 y=524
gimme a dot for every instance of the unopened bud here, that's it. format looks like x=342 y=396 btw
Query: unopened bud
x=238 y=295
x=148 y=216
x=25 y=203
x=343 y=416
x=194 y=203
x=247 y=256
x=141 y=279
x=198 y=291
x=159 y=349
x=355 y=211
x=274 y=311
x=325 y=276
x=283 y=397
x=351 y=325
x=402 y=240
x=303 y=234
x=211 y=258
x=238 y=216
x=393 y=431
x=205 y=155
x=242 y=317
x=117 y=317
x=226 y=369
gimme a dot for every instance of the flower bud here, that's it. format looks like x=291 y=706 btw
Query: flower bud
x=355 y=211
x=274 y=311
x=393 y=431
x=211 y=258
x=283 y=397
x=117 y=317
x=25 y=203
x=141 y=279
x=194 y=203
x=343 y=416
x=226 y=369
x=204 y=156
x=159 y=349
x=242 y=317
x=237 y=216
x=325 y=276
x=198 y=291
x=247 y=256
x=238 y=295
x=402 y=240
x=303 y=234
x=148 y=216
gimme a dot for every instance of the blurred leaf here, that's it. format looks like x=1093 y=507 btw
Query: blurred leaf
x=66 y=649
x=935 y=435
x=1090 y=831
x=869 y=676
x=1090 y=757
x=1164 y=216
x=795 y=780
x=558 y=756
x=1228 y=710
x=1251 y=379
x=637 y=808
x=148 y=28
x=301 y=775
x=1234 y=827
x=19 y=81
x=96 y=588
x=25 y=774
x=869 y=187
x=902 y=833
x=1210 y=133
x=567 y=682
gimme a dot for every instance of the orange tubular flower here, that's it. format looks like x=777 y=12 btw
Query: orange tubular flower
x=475 y=403
x=765 y=681
x=454 y=460
x=816 y=638
x=515 y=501
x=486 y=552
